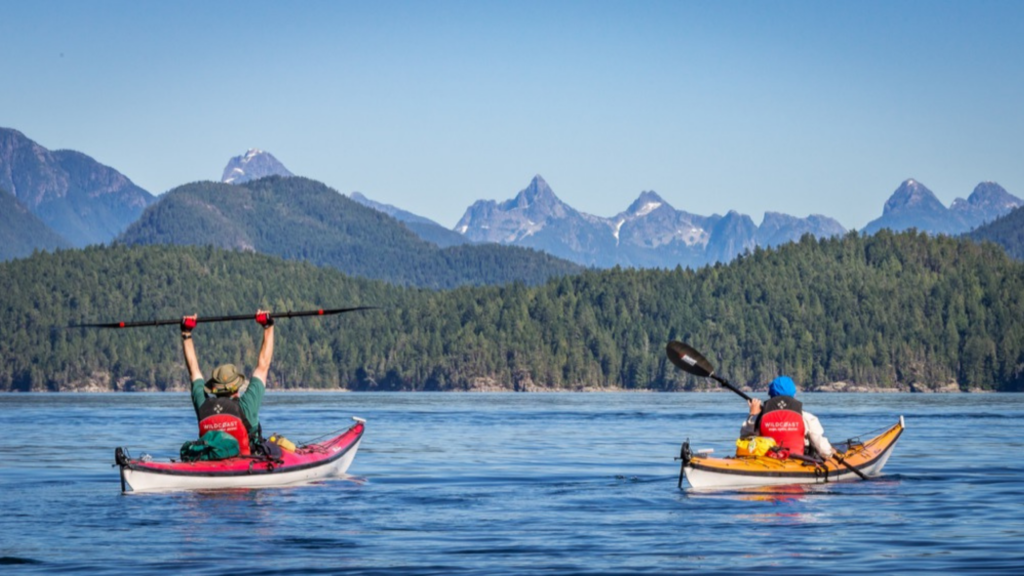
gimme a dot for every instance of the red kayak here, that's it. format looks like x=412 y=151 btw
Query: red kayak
x=306 y=463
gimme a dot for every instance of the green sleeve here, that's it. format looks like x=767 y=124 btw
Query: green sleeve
x=198 y=394
x=251 y=402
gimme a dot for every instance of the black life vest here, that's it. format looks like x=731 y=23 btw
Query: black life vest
x=782 y=420
x=225 y=414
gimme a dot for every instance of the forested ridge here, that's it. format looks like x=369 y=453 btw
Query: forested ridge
x=1006 y=231
x=889 y=310
x=302 y=219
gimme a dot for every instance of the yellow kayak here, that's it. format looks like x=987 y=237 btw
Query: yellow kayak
x=859 y=460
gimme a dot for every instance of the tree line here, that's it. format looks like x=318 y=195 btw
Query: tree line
x=887 y=310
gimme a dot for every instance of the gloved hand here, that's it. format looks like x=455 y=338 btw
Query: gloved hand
x=264 y=319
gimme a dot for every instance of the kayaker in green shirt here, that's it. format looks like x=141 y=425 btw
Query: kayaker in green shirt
x=224 y=402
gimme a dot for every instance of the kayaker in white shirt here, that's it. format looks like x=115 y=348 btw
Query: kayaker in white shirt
x=780 y=391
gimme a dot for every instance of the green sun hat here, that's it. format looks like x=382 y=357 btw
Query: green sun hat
x=226 y=380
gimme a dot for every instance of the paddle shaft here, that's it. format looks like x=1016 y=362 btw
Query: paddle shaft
x=849 y=467
x=723 y=382
x=201 y=319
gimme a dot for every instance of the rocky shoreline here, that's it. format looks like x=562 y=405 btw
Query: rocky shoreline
x=103 y=382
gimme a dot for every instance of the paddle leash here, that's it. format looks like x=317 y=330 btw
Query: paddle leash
x=201 y=319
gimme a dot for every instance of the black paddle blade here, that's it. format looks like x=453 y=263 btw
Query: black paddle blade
x=688 y=359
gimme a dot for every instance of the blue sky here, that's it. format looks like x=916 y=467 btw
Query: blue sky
x=795 y=107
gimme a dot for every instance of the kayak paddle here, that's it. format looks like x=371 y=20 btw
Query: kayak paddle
x=837 y=458
x=274 y=315
x=689 y=360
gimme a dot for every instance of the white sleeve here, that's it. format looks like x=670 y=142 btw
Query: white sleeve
x=815 y=435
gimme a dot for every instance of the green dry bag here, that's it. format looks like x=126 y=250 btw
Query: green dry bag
x=214 y=445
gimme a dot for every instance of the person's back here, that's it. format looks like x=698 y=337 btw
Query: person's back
x=225 y=402
x=225 y=409
x=783 y=419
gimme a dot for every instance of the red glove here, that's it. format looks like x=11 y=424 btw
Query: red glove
x=264 y=319
x=188 y=323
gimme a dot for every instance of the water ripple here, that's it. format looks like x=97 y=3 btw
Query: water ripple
x=514 y=484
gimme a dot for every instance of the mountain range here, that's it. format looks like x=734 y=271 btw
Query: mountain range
x=649 y=233
x=652 y=233
x=83 y=201
x=80 y=201
x=913 y=205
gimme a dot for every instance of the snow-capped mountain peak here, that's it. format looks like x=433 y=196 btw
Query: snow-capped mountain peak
x=252 y=165
x=647 y=202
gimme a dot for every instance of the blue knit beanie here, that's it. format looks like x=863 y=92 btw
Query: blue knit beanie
x=782 y=386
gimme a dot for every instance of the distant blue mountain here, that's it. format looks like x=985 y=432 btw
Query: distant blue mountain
x=778 y=228
x=988 y=202
x=913 y=205
x=80 y=199
x=253 y=165
x=650 y=233
x=425 y=228
x=21 y=231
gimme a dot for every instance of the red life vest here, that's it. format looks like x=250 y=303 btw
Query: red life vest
x=224 y=414
x=782 y=420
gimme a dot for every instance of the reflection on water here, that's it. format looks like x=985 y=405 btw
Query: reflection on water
x=776 y=494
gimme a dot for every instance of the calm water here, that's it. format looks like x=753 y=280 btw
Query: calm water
x=513 y=483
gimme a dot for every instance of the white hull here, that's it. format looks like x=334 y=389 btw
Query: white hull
x=712 y=480
x=707 y=473
x=147 y=481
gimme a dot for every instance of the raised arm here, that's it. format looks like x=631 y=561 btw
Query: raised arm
x=189 y=349
x=267 y=348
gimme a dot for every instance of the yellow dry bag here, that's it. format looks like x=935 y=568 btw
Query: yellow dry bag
x=754 y=445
